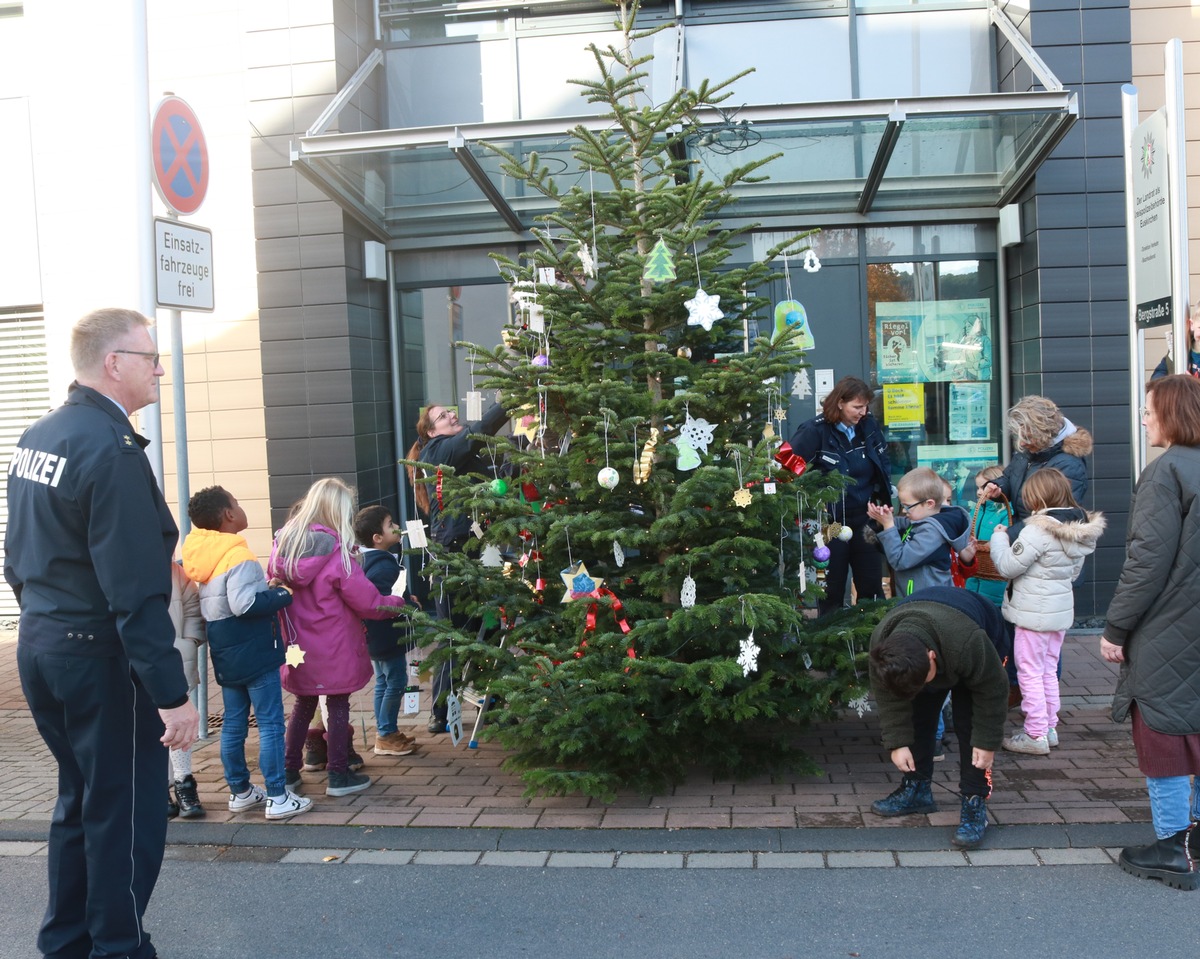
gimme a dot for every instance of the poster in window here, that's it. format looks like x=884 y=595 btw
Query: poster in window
x=897 y=361
x=970 y=411
x=903 y=406
x=945 y=341
x=957 y=464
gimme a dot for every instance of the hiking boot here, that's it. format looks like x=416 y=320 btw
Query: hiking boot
x=1170 y=860
x=972 y=823
x=913 y=796
x=316 y=752
x=354 y=762
x=172 y=806
x=343 y=784
x=186 y=797
x=436 y=725
x=292 y=780
x=1052 y=737
x=287 y=805
x=240 y=802
x=1022 y=742
x=393 y=744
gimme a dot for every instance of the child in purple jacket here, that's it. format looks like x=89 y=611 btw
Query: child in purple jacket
x=314 y=554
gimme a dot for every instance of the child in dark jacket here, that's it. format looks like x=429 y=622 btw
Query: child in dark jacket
x=918 y=545
x=239 y=606
x=377 y=534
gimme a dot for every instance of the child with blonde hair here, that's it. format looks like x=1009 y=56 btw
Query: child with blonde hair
x=1043 y=562
x=315 y=555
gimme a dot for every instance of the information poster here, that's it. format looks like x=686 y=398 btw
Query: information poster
x=970 y=411
x=935 y=342
x=903 y=406
x=957 y=464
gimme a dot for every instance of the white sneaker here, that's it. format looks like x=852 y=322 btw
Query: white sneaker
x=254 y=796
x=287 y=805
x=1052 y=737
x=1022 y=742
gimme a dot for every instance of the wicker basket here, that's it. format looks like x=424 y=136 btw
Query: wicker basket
x=985 y=568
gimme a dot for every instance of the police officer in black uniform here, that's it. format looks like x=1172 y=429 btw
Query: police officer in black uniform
x=846 y=438
x=87 y=554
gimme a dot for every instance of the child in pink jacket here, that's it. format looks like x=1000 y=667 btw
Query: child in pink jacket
x=315 y=556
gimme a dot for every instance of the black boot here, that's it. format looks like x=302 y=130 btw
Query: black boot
x=186 y=797
x=1168 y=859
x=172 y=805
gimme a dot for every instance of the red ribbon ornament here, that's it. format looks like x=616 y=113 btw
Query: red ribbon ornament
x=439 y=489
x=790 y=460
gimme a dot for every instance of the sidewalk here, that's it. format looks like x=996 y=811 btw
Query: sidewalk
x=1091 y=780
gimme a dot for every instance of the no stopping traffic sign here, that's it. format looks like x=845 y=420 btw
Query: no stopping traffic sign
x=179 y=156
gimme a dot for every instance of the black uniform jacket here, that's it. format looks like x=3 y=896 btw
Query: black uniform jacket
x=89 y=543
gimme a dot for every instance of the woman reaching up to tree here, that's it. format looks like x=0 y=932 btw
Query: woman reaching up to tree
x=845 y=438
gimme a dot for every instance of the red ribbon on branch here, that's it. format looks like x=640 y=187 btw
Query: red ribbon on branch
x=790 y=460
x=439 y=489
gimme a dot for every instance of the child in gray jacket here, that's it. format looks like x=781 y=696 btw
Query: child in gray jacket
x=918 y=544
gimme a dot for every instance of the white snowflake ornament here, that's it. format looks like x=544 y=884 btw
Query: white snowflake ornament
x=860 y=705
x=696 y=433
x=748 y=657
x=703 y=310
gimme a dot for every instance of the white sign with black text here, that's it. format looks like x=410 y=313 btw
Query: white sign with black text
x=183 y=266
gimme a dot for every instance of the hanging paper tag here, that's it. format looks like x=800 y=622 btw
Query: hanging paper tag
x=474 y=405
x=412 y=701
x=546 y=275
x=415 y=530
x=807 y=660
x=414 y=668
x=477 y=529
x=564 y=444
x=454 y=718
x=537 y=319
x=769 y=488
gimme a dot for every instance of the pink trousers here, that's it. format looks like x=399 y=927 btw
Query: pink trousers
x=1037 y=674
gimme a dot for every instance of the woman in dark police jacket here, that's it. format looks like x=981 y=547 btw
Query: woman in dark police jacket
x=846 y=438
x=1152 y=632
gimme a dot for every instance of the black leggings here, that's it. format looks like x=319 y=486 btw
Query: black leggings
x=926 y=708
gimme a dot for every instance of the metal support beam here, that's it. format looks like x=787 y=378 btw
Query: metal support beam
x=891 y=133
x=458 y=146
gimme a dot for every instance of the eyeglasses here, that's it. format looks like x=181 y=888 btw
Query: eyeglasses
x=1144 y=411
x=911 y=506
x=154 y=357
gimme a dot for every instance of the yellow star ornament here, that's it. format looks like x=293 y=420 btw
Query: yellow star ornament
x=294 y=655
x=579 y=582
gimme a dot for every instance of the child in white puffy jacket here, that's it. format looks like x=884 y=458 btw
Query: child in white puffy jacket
x=1043 y=559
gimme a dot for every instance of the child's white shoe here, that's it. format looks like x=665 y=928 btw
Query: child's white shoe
x=254 y=796
x=1052 y=737
x=1022 y=742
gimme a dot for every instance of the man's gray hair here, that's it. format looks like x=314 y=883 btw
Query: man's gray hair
x=98 y=333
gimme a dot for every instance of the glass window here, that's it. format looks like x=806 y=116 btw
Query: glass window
x=932 y=334
x=435 y=84
x=947 y=53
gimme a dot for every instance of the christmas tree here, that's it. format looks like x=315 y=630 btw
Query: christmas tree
x=641 y=603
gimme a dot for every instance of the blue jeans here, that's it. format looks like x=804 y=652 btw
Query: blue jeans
x=1169 y=803
x=266 y=696
x=391 y=678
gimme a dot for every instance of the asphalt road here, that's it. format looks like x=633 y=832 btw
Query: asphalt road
x=206 y=910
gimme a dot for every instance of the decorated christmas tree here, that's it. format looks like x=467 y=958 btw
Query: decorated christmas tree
x=637 y=584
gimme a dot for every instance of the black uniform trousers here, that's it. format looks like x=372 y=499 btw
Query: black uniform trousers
x=109 y=830
x=857 y=556
x=927 y=707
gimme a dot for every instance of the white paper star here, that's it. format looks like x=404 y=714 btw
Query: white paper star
x=294 y=655
x=748 y=657
x=703 y=310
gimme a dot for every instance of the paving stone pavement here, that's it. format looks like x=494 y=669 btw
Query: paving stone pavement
x=1091 y=779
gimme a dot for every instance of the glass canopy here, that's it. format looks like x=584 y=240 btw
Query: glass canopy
x=841 y=161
